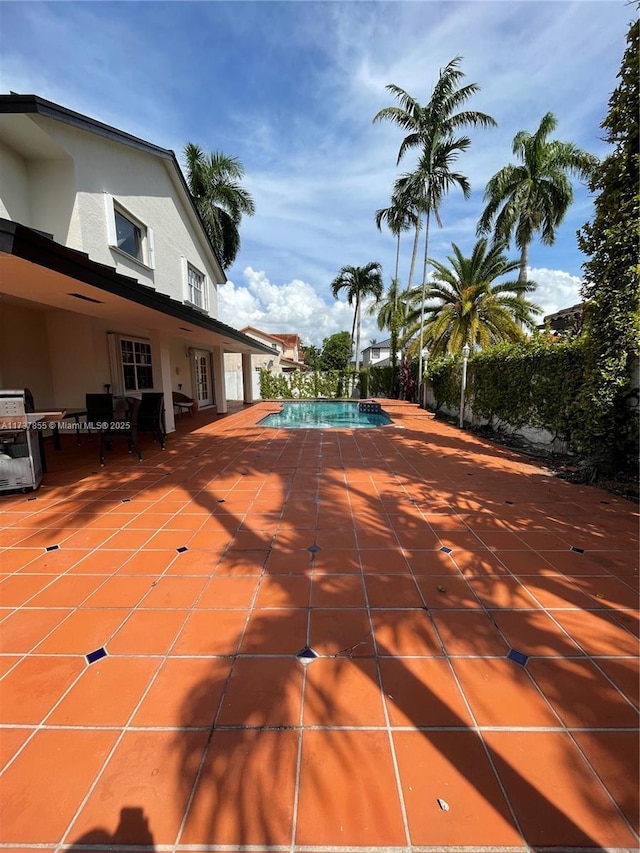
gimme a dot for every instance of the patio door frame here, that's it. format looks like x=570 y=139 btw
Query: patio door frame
x=195 y=355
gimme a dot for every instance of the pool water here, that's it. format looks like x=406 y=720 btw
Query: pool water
x=324 y=415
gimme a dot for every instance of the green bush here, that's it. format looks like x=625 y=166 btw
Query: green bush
x=536 y=383
x=300 y=385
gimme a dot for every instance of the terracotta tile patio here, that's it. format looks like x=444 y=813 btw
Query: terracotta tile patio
x=414 y=561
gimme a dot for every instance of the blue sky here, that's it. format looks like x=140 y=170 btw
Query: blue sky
x=291 y=89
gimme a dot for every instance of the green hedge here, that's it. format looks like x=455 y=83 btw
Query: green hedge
x=535 y=383
x=300 y=385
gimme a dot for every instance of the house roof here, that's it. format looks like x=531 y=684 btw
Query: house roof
x=289 y=340
x=380 y=345
x=260 y=332
x=564 y=319
x=19 y=242
x=33 y=104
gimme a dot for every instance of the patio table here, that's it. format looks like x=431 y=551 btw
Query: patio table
x=76 y=414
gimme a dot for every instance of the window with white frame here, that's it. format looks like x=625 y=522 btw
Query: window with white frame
x=137 y=367
x=196 y=287
x=375 y=352
x=128 y=234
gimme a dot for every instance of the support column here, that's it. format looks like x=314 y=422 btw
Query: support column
x=218 y=380
x=247 y=378
x=162 y=375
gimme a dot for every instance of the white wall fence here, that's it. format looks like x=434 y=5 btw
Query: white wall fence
x=233 y=384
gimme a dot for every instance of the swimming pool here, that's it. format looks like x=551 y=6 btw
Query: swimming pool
x=324 y=415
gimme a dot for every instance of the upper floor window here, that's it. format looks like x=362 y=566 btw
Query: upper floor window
x=196 y=287
x=375 y=352
x=128 y=234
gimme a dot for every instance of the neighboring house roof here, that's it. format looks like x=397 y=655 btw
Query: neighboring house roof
x=289 y=340
x=37 y=248
x=380 y=345
x=33 y=104
x=249 y=329
x=566 y=318
x=289 y=362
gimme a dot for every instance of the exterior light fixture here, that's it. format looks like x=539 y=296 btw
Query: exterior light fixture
x=466 y=352
x=425 y=359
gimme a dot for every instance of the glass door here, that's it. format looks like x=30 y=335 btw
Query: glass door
x=202 y=375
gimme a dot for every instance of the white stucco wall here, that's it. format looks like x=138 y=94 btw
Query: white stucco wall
x=140 y=182
x=59 y=187
x=14 y=187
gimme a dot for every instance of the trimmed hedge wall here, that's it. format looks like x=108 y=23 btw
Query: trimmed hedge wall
x=535 y=383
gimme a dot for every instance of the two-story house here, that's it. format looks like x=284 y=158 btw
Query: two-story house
x=107 y=276
x=377 y=354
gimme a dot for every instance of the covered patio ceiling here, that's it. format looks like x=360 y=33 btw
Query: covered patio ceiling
x=35 y=268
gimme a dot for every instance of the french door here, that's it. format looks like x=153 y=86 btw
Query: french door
x=202 y=377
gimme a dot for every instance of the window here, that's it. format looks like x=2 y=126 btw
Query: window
x=137 y=370
x=375 y=352
x=128 y=236
x=196 y=293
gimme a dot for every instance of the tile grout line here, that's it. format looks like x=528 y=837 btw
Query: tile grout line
x=213 y=727
x=298 y=772
x=385 y=710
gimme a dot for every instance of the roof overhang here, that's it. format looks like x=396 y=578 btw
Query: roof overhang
x=35 y=268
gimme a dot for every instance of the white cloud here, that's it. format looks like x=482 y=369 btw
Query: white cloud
x=293 y=307
x=556 y=289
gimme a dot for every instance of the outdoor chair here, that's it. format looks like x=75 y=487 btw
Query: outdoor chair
x=99 y=409
x=100 y=415
x=184 y=404
x=151 y=416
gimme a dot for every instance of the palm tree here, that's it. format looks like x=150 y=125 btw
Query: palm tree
x=359 y=283
x=534 y=196
x=392 y=314
x=432 y=128
x=466 y=306
x=221 y=201
x=400 y=216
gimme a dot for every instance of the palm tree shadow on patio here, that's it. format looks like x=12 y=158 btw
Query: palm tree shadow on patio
x=234 y=799
x=259 y=744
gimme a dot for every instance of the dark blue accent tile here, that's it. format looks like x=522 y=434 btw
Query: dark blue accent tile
x=52 y=548
x=517 y=657
x=92 y=657
x=577 y=550
x=221 y=500
x=306 y=655
x=317 y=500
x=605 y=502
x=313 y=548
x=509 y=502
x=446 y=550
x=126 y=500
x=182 y=549
x=32 y=499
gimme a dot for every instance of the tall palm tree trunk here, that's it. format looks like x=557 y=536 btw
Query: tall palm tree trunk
x=355 y=376
x=524 y=263
x=424 y=293
x=397 y=256
x=414 y=254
